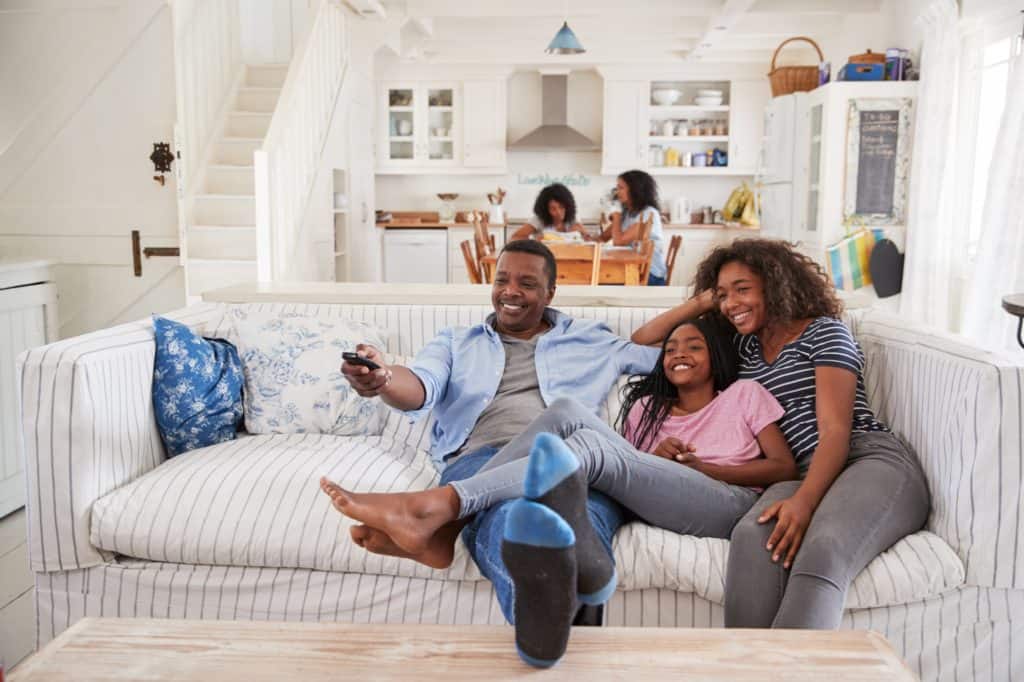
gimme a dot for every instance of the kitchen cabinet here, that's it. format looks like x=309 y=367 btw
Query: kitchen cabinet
x=826 y=139
x=420 y=125
x=416 y=256
x=698 y=243
x=639 y=131
x=747 y=101
x=444 y=127
x=28 y=316
x=624 y=143
x=485 y=115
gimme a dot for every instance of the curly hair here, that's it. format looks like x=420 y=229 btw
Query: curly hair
x=794 y=286
x=659 y=395
x=643 y=190
x=556 y=192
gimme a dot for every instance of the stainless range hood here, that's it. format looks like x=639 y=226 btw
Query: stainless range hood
x=554 y=132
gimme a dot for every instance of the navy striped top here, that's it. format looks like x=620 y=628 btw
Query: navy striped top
x=825 y=343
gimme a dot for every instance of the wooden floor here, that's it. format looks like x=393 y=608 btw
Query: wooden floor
x=17 y=615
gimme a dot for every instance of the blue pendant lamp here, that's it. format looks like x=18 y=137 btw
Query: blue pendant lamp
x=565 y=41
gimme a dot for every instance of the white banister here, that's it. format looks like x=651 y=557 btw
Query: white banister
x=287 y=163
x=207 y=62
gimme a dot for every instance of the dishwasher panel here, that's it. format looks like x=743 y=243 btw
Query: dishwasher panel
x=416 y=256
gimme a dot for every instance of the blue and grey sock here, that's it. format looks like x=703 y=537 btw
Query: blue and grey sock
x=554 y=478
x=538 y=551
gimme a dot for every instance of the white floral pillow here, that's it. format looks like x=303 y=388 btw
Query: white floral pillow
x=293 y=380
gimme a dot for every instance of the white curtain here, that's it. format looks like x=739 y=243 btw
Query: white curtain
x=999 y=269
x=934 y=235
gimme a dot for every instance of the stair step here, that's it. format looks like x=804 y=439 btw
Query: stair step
x=272 y=75
x=219 y=242
x=230 y=180
x=235 y=151
x=252 y=124
x=224 y=209
x=257 y=99
x=206 y=274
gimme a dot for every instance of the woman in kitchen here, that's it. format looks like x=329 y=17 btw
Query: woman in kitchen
x=554 y=216
x=637 y=193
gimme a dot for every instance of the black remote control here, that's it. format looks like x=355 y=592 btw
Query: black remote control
x=356 y=359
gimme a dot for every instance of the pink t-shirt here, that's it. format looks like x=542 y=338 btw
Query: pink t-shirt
x=725 y=430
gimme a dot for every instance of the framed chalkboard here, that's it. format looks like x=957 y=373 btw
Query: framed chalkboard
x=878 y=141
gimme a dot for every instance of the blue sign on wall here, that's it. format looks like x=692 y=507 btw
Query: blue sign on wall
x=544 y=179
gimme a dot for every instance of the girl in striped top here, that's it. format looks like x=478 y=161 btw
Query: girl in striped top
x=861 y=486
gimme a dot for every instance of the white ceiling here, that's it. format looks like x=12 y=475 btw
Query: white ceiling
x=617 y=31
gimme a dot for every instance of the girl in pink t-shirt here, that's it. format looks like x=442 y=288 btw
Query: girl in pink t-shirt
x=692 y=409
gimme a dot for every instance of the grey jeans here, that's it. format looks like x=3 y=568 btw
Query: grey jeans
x=880 y=497
x=661 y=492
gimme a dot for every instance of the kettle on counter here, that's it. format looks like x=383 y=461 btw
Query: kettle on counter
x=680 y=210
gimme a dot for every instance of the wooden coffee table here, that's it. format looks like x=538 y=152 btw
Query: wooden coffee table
x=130 y=649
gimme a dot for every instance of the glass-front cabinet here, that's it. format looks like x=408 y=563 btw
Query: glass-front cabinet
x=422 y=124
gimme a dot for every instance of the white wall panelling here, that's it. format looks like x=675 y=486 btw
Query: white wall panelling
x=94 y=88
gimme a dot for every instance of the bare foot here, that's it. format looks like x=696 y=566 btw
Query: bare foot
x=409 y=519
x=439 y=553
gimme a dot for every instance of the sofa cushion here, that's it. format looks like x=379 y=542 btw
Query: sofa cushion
x=293 y=380
x=197 y=388
x=255 y=502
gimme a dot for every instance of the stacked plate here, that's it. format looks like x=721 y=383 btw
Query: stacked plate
x=708 y=98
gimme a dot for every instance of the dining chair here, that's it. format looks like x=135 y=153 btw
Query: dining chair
x=670 y=256
x=578 y=263
x=472 y=265
x=647 y=251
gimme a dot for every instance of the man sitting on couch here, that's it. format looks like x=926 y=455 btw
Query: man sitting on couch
x=485 y=384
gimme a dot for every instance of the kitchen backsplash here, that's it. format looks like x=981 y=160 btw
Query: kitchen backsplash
x=527 y=173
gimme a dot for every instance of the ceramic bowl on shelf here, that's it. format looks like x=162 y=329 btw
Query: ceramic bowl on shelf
x=708 y=101
x=666 y=97
x=709 y=93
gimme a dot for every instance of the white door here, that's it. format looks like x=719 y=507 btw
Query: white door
x=776 y=163
x=625 y=126
x=483 y=107
x=400 y=136
x=747 y=101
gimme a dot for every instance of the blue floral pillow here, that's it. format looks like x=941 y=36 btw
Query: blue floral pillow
x=197 y=388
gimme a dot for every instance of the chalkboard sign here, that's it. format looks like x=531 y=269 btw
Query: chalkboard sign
x=876 y=163
x=878 y=137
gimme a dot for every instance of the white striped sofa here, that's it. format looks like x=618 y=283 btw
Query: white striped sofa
x=239 y=531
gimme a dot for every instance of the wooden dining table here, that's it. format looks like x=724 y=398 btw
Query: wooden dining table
x=618 y=266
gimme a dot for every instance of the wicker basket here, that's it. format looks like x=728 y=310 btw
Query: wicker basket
x=788 y=79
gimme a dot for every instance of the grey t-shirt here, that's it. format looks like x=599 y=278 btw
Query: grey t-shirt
x=517 y=402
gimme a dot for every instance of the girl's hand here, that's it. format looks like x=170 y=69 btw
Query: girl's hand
x=677 y=451
x=794 y=515
x=705 y=300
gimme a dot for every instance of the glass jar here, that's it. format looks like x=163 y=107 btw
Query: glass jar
x=721 y=128
x=656 y=157
x=682 y=128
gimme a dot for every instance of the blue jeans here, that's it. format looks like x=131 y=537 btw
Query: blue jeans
x=484 y=533
x=655 y=281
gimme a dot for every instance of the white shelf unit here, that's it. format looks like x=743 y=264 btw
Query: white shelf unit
x=341 y=227
x=711 y=124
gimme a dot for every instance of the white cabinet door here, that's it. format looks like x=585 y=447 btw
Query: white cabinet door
x=416 y=256
x=419 y=124
x=625 y=126
x=747 y=102
x=28 y=317
x=484 y=114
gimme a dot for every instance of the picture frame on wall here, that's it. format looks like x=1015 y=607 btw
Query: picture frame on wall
x=878 y=150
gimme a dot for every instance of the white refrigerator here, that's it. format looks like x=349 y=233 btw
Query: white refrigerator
x=782 y=169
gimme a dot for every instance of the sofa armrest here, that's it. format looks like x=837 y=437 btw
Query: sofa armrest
x=960 y=408
x=87 y=427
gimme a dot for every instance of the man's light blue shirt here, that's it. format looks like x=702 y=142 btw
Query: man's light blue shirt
x=462 y=367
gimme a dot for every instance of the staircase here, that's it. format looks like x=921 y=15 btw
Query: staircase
x=221 y=234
